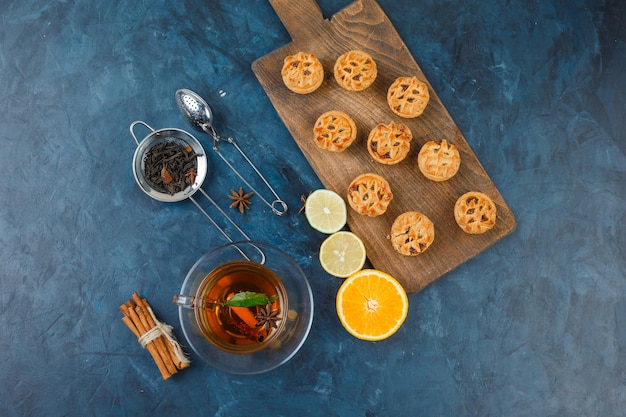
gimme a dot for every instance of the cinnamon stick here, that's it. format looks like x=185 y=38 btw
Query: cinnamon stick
x=129 y=323
x=158 y=342
x=169 y=347
x=139 y=318
x=131 y=316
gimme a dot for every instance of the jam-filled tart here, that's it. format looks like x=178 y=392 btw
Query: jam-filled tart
x=302 y=72
x=334 y=131
x=408 y=97
x=439 y=160
x=389 y=143
x=355 y=70
x=369 y=194
x=412 y=233
x=475 y=212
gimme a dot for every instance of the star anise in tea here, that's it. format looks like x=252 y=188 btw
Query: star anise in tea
x=267 y=317
x=240 y=199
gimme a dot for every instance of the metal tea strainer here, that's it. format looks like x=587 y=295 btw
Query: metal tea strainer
x=176 y=135
x=198 y=114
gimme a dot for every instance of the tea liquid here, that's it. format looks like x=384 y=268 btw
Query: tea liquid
x=235 y=329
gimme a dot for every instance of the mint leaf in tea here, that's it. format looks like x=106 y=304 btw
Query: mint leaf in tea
x=249 y=299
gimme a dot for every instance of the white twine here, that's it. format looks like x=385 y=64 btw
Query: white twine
x=162 y=329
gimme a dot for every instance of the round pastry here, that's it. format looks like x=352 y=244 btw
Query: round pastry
x=369 y=194
x=302 y=72
x=439 y=160
x=475 y=213
x=389 y=144
x=412 y=233
x=408 y=97
x=355 y=70
x=334 y=131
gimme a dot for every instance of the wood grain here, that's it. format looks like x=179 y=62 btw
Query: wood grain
x=364 y=25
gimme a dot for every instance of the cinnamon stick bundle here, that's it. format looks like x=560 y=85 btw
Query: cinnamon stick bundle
x=153 y=335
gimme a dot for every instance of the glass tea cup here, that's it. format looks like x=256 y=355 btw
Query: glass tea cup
x=245 y=307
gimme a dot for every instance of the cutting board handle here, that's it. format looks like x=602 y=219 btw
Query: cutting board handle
x=302 y=18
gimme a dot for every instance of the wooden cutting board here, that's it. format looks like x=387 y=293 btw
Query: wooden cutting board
x=363 y=25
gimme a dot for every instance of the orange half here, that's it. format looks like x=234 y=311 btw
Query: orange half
x=371 y=305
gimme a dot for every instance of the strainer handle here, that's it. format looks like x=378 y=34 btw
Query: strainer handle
x=261 y=260
x=132 y=127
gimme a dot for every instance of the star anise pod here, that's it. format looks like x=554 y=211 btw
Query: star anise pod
x=267 y=317
x=240 y=199
x=303 y=200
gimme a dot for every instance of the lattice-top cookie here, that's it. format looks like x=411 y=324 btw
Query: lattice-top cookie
x=302 y=72
x=408 y=97
x=475 y=212
x=439 y=160
x=389 y=144
x=412 y=233
x=334 y=131
x=369 y=194
x=355 y=70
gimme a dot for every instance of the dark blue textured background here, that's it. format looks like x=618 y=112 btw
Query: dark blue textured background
x=534 y=326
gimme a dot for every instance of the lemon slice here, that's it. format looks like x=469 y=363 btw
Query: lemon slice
x=326 y=211
x=342 y=254
x=371 y=304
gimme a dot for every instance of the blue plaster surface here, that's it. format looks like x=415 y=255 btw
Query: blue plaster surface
x=534 y=326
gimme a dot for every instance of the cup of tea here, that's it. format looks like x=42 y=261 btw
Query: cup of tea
x=245 y=307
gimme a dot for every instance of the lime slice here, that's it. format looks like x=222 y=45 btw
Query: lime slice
x=326 y=211
x=342 y=254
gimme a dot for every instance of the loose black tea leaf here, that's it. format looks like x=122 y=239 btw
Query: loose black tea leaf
x=170 y=167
